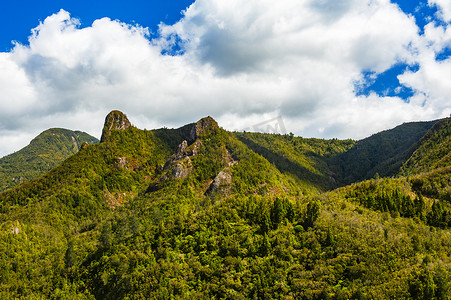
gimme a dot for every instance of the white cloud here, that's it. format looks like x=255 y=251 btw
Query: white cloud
x=444 y=7
x=262 y=35
x=18 y=95
x=432 y=81
x=240 y=62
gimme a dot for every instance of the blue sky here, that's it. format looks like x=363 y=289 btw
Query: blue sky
x=328 y=69
x=387 y=83
x=19 y=17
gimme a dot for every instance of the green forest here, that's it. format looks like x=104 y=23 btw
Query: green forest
x=44 y=152
x=202 y=213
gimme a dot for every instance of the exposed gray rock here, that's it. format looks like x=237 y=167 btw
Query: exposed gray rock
x=202 y=127
x=223 y=180
x=224 y=177
x=183 y=168
x=74 y=141
x=122 y=162
x=179 y=165
x=115 y=120
x=181 y=149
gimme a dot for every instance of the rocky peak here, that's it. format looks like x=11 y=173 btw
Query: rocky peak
x=115 y=120
x=202 y=127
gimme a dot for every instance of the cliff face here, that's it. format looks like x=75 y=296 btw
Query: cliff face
x=202 y=127
x=181 y=163
x=115 y=120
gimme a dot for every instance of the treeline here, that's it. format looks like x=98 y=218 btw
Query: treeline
x=426 y=197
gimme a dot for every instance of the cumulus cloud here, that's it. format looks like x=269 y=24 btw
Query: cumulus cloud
x=240 y=62
x=444 y=9
x=432 y=80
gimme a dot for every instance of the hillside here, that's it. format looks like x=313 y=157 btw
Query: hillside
x=327 y=164
x=44 y=152
x=433 y=151
x=383 y=153
x=307 y=160
x=201 y=213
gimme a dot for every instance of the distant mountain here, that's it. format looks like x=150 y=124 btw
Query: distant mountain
x=383 y=153
x=201 y=213
x=43 y=153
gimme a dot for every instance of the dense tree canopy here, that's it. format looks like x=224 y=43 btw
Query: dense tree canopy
x=198 y=212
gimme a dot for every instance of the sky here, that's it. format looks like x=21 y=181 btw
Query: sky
x=318 y=68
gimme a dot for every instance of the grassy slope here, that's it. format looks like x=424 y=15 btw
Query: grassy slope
x=43 y=153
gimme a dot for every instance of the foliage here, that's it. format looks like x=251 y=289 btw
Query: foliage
x=93 y=228
x=44 y=152
x=306 y=160
x=383 y=153
x=433 y=151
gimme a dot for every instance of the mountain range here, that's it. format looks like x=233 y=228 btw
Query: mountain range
x=200 y=212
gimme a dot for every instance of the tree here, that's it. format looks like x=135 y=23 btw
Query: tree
x=69 y=255
x=312 y=213
x=435 y=215
x=280 y=210
x=106 y=235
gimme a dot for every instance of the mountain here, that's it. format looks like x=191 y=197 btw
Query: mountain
x=199 y=213
x=433 y=151
x=306 y=160
x=43 y=153
x=327 y=164
x=383 y=153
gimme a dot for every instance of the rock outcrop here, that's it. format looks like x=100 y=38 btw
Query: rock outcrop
x=84 y=146
x=180 y=164
x=115 y=120
x=180 y=161
x=222 y=182
x=182 y=168
x=202 y=127
x=223 y=178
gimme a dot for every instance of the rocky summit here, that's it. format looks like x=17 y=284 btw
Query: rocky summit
x=202 y=127
x=115 y=120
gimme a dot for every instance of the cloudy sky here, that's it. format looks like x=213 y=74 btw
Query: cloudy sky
x=327 y=68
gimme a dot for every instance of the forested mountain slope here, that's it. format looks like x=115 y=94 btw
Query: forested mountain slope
x=383 y=153
x=433 y=151
x=43 y=153
x=327 y=164
x=201 y=213
x=306 y=159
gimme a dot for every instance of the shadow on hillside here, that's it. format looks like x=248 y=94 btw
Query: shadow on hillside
x=173 y=137
x=285 y=165
x=382 y=153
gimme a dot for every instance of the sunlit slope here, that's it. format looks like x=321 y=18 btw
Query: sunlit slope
x=43 y=153
x=433 y=151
